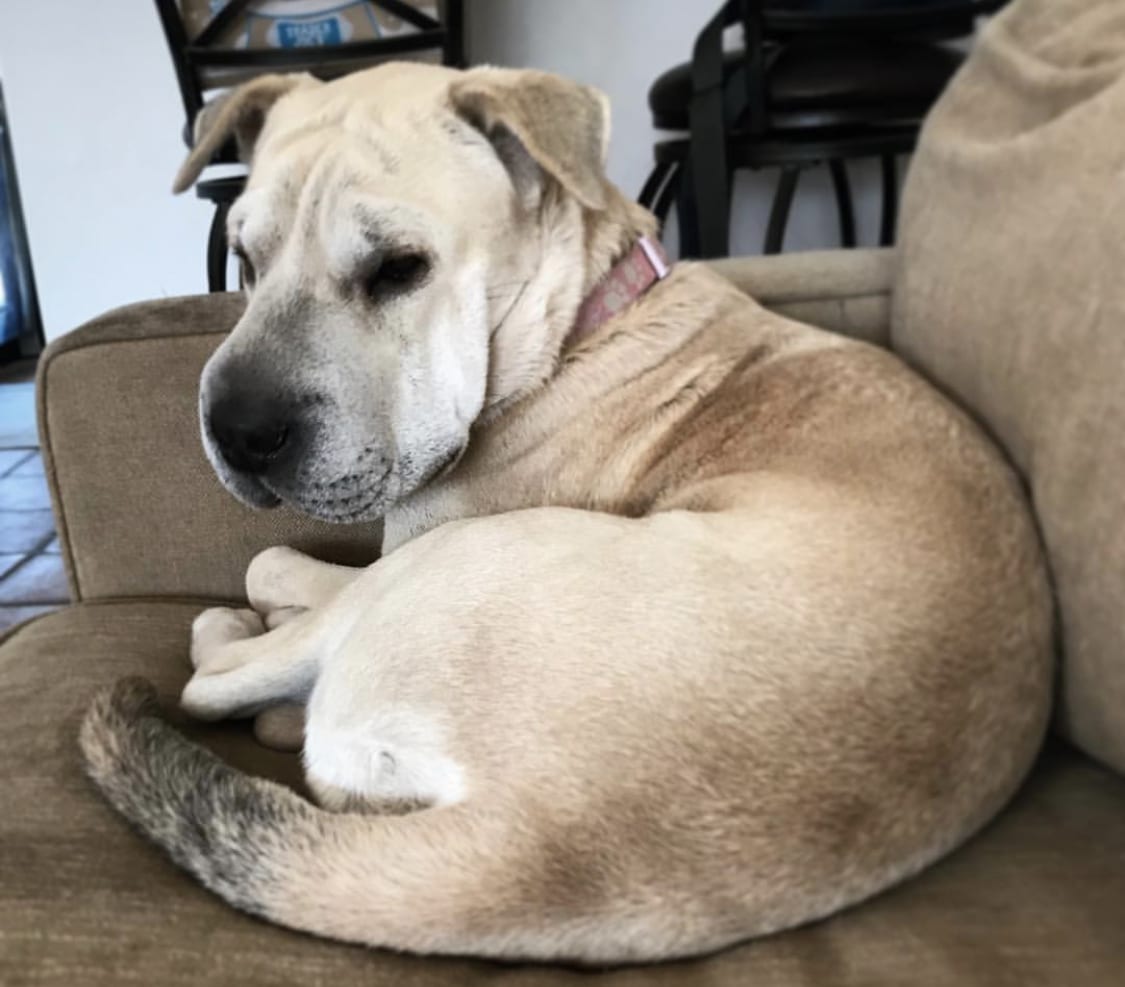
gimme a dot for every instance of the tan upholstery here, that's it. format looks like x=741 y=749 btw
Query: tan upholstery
x=846 y=291
x=140 y=511
x=1010 y=293
x=1035 y=900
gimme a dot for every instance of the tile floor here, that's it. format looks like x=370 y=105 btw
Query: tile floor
x=32 y=580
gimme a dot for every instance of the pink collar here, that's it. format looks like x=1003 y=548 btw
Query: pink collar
x=629 y=278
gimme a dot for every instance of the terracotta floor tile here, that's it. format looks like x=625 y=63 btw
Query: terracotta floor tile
x=17 y=415
x=9 y=560
x=10 y=616
x=12 y=459
x=24 y=531
x=31 y=466
x=24 y=493
x=39 y=580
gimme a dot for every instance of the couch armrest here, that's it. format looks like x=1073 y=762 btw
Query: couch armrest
x=846 y=291
x=139 y=510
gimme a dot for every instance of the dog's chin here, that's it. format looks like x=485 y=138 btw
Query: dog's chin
x=250 y=491
x=364 y=506
x=345 y=502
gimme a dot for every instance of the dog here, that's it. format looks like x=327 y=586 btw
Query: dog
x=692 y=624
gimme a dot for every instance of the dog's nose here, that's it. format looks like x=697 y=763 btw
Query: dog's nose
x=250 y=433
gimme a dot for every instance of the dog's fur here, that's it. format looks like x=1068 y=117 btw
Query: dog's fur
x=700 y=627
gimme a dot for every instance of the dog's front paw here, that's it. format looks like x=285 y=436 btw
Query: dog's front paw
x=274 y=580
x=217 y=627
x=205 y=698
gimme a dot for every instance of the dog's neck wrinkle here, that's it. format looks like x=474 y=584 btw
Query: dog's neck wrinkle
x=547 y=450
x=539 y=323
x=637 y=340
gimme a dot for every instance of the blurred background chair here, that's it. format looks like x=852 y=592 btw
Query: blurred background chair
x=218 y=45
x=815 y=82
x=21 y=330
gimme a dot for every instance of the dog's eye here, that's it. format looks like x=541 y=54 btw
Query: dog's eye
x=395 y=273
x=249 y=275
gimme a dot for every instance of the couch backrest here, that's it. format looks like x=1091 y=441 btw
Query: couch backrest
x=1010 y=293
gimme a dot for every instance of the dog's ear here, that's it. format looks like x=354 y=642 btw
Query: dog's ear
x=241 y=114
x=562 y=126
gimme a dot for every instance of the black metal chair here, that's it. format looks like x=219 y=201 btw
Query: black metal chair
x=202 y=63
x=817 y=82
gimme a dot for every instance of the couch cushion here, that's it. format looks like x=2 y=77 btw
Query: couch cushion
x=1036 y=899
x=845 y=291
x=1010 y=294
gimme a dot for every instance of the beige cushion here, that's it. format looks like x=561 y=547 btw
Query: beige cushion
x=1011 y=295
x=845 y=291
x=140 y=511
x=1034 y=900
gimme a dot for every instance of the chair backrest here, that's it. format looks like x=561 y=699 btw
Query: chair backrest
x=769 y=22
x=903 y=18
x=205 y=60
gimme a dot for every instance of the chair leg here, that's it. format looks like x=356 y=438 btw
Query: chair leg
x=217 y=249
x=890 y=200
x=655 y=183
x=687 y=213
x=844 y=205
x=453 y=23
x=708 y=173
x=711 y=197
x=779 y=211
x=663 y=204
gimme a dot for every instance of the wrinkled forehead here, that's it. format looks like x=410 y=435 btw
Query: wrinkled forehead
x=328 y=160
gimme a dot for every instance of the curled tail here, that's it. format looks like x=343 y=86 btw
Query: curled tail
x=445 y=880
x=224 y=827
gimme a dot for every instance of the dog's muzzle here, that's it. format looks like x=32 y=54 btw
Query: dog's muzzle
x=251 y=434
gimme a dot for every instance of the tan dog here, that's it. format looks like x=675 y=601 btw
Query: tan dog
x=703 y=626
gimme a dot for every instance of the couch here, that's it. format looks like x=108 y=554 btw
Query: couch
x=1029 y=340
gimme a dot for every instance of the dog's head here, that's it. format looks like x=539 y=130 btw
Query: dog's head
x=392 y=225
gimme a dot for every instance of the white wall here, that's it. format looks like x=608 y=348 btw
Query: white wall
x=96 y=121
